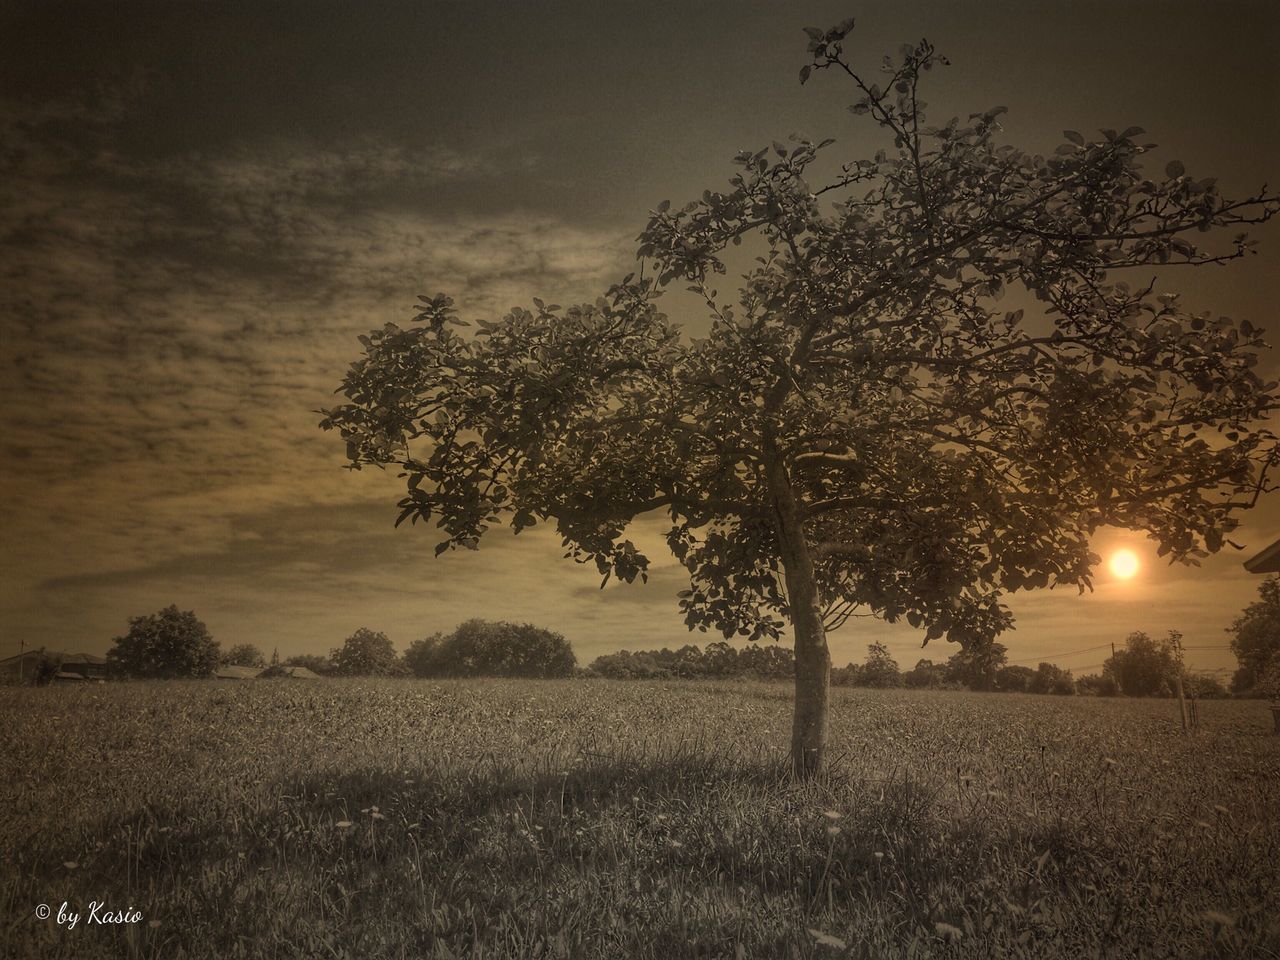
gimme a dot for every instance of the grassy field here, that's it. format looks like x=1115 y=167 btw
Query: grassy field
x=600 y=819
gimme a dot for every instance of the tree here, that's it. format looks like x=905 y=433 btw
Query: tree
x=1205 y=686
x=365 y=653
x=170 y=643
x=1255 y=637
x=1014 y=679
x=926 y=675
x=1050 y=678
x=976 y=665
x=880 y=669
x=1145 y=667
x=1097 y=685
x=868 y=427
x=482 y=648
x=243 y=655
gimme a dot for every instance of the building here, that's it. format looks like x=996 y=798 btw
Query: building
x=22 y=667
x=71 y=667
x=1268 y=561
x=87 y=666
x=237 y=673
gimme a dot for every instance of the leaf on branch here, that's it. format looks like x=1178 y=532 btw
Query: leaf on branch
x=1175 y=168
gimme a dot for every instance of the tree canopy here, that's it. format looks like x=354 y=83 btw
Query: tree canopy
x=1255 y=638
x=366 y=652
x=482 y=648
x=1144 y=667
x=243 y=655
x=940 y=377
x=166 y=644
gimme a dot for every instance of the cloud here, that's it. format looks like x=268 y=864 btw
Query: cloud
x=172 y=325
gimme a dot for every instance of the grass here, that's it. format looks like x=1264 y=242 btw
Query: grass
x=507 y=819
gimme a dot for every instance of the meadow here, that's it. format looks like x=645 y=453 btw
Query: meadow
x=602 y=819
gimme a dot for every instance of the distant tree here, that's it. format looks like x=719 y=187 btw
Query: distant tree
x=625 y=665
x=767 y=661
x=1097 y=685
x=1204 y=686
x=1255 y=636
x=46 y=668
x=880 y=669
x=926 y=675
x=242 y=655
x=1014 y=679
x=975 y=666
x=849 y=675
x=1050 y=678
x=170 y=643
x=365 y=653
x=1268 y=685
x=423 y=657
x=312 y=661
x=1145 y=667
x=869 y=426
x=483 y=648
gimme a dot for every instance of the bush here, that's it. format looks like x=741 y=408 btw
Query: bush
x=1204 y=687
x=481 y=648
x=1050 y=678
x=1014 y=679
x=1097 y=685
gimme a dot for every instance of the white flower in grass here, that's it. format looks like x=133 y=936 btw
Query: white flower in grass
x=827 y=940
x=947 y=932
x=833 y=814
x=343 y=824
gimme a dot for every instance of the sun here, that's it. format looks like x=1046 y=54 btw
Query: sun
x=1124 y=564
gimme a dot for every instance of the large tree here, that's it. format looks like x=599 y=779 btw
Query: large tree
x=169 y=643
x=1255 y=637
x=1145 y=667
x=365 y=653
x=934 y=386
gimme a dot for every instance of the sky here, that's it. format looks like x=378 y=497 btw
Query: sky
x=203 y=204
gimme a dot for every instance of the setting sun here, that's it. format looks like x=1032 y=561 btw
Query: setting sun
x=1124 y=564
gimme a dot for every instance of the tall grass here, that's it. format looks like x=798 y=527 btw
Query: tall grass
x=508 y=819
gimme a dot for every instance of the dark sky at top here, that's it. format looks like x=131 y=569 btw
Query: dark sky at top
x=202 y=204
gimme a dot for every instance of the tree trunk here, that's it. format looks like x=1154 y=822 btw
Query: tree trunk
x=813 y=660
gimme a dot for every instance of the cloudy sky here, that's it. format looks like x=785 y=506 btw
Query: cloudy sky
x=203 y=204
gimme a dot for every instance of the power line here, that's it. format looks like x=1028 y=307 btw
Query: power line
x=1101 y=646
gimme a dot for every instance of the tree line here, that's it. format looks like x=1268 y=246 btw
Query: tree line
x=174 y=643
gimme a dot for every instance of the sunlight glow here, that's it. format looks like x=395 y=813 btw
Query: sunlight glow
x=1124 y=564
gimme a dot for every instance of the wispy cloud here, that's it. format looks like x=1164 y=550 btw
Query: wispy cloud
x=171 y=327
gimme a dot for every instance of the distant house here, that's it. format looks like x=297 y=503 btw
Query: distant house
x=237 y=673
x=87 y=666
x=22 y=667
x=1268 y=561
x=300 y=673
x=72 y=667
